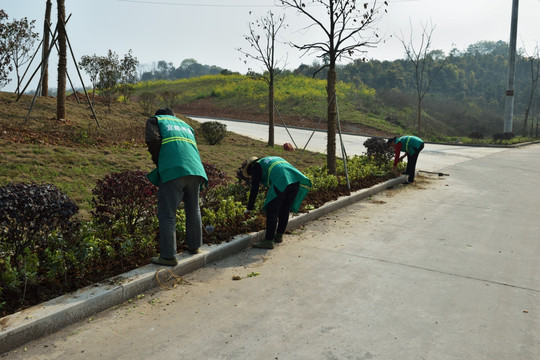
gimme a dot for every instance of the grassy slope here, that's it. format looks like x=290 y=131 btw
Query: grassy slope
x=74 y=154
x=295 y=96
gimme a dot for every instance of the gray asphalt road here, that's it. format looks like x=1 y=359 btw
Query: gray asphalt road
x=446 y=268
x=434 y=156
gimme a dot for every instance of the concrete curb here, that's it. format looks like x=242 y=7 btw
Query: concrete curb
x=32 y=323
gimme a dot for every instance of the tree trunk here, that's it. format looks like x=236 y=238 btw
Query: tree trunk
x=332 y=114
x=271 y=111
x=62 y=62
x=525 y=121
x=419 y=116
x=46 y=40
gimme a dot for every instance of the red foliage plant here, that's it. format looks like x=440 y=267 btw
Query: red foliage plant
x=128 y=197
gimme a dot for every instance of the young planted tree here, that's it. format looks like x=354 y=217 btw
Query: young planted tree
x=91 y=64
x=426 y=65
x=263 y=50
x=128 y=75
x=346 y=27
x=21 y=37
x=62 y=61
x=109 y=75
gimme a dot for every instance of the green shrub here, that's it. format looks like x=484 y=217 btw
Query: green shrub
x=170 y=98
x=213 y=131
x=228 y=215
x=16 y=279
x=148 y=102
x=320 y=179
x=360 y=167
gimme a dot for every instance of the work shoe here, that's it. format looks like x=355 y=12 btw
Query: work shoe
x=158 y=260
x=278 y=238
x=193 y=251
x=264 y=244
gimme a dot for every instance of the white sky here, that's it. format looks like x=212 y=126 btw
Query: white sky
x=210 y=31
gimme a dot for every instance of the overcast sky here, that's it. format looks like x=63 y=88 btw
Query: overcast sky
x=210 y=31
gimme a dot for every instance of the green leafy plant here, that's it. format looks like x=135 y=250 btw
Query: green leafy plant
x=148 y=102
x=170 y=98
x=320 y=179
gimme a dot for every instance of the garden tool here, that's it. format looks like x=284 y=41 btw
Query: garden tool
x=432 y=172
x=208 y=229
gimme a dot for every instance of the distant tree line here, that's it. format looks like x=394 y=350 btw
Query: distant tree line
x=189 y=68
x=468 y=93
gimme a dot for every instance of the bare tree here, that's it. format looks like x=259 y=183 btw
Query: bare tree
x=348 y=26
x=263 y=50
x=534 y=62
x=45 y=52
x=62 y=61
x=426 y=66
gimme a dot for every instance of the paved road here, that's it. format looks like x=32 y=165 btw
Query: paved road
x=446 y=268
x=434 y=157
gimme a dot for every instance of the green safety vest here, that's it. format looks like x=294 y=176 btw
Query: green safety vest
x=278 y=174
x=410 y=144
x=178 y=155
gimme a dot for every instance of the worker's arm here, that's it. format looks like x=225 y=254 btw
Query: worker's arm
x=397 y=159
x=152 y=137
x=255 y=182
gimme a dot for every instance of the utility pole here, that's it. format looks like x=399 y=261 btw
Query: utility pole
x=509 y=104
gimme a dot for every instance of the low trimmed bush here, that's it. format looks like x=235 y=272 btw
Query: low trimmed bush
x=213 y=131
x=379 y=150
x=29 y=213
x=476 y=135
x=499 y=137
